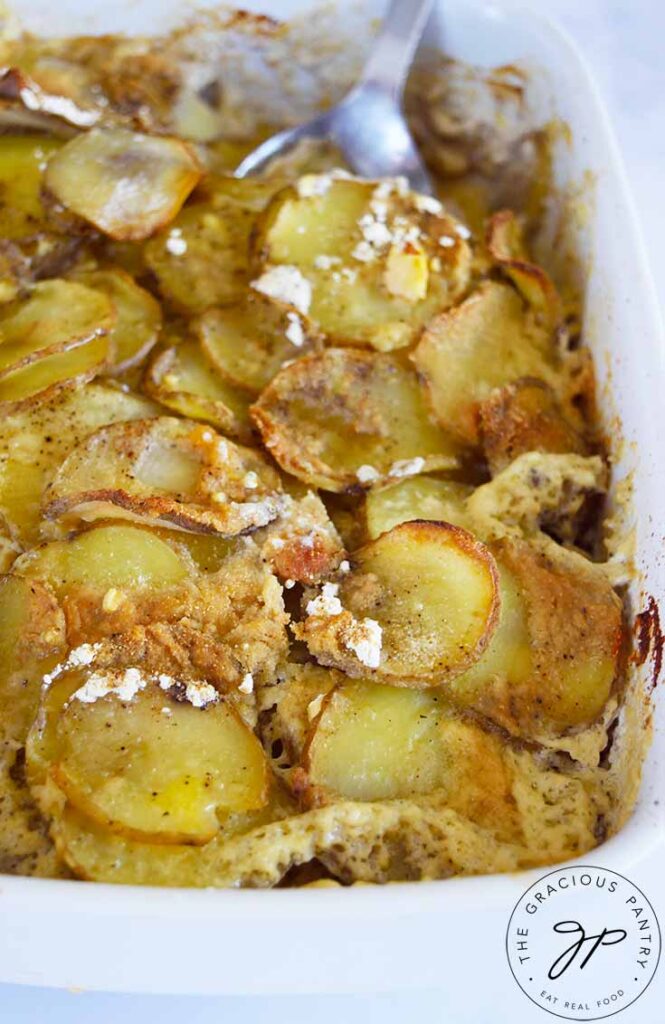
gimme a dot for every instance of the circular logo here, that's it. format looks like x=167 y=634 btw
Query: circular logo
x=583 y=943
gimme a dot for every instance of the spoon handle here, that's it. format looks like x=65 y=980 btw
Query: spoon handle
x=395 y=45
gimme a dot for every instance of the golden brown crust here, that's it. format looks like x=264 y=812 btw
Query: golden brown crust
x=525 y=416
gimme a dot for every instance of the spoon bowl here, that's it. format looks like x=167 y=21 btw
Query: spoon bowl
x=368 y=126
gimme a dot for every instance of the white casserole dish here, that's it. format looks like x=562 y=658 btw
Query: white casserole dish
x=412 y=935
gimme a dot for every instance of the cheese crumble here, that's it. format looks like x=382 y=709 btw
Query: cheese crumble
x=365 y=639
x=124 y=685
x=367 y=474
x=407 y=467
x=327 y=603
x=294 y=331
x=285 y=283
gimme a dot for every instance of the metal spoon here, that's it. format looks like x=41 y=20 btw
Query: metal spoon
x=368 y=125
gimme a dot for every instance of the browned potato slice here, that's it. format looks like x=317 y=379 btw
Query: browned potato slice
x=34 y=442
x=32 y=635
x=27 y=95
x=553 y=660
x=127 y=185
x=22 y=158
x=418 y=607
x=149 y=766
x=373 y=742
x=486 y=342
x=57 y=316
x=421 y=497
x=172 y=608
x=182 y=379
x=47 y=377
x=201 y=259
x=302 y=545
x=505 y=245
x=523 y=417
x=139 y=317
x=32 y=629
x=170 y=472
x=378 y=262
x=250 y=341
x=345 y=419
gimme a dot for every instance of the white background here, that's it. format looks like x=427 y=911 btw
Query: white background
x=623 y=41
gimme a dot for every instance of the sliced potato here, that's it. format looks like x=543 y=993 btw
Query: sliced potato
x=34 y=442
x=119 y=556
x=166 y=471
x=182 y=379
x=127 y=185
x=57 y=316
x=241 y=854
x=250 y=341
x=418 y=607
x=149 y=766
x=421 y=497
x=28 y=96
x=486 y=342
x=152 y=599
x=32 y=630
x=373 y=742
x=47 y=377
x=505 y=246
x=138 y=316
x=252 y=193
x=22 y=159
x=553 y=660
x=374 y=257
x=346 y=419
x=201 y=259
x=523 y=417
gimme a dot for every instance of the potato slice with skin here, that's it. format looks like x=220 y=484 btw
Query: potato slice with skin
x=419 y=606
x=163 y=776
x=372 y=253
x=57 y=316
x=119 y=556
x=347 y=419
x=28 y=95
x=486 y=342
x=139 y=317
x=524 y=417
x=372 y=742
x=175 y=473
x=553 y=660
x=201 y=259
x=46 y=378
x=34 y=442
x=21 y=160
x=126 y=184
x=421 y=497
x=182 y=379
x=32 y=629
x=32 y=635
x=249 y=342
x=148 y=598
x=505 y=246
